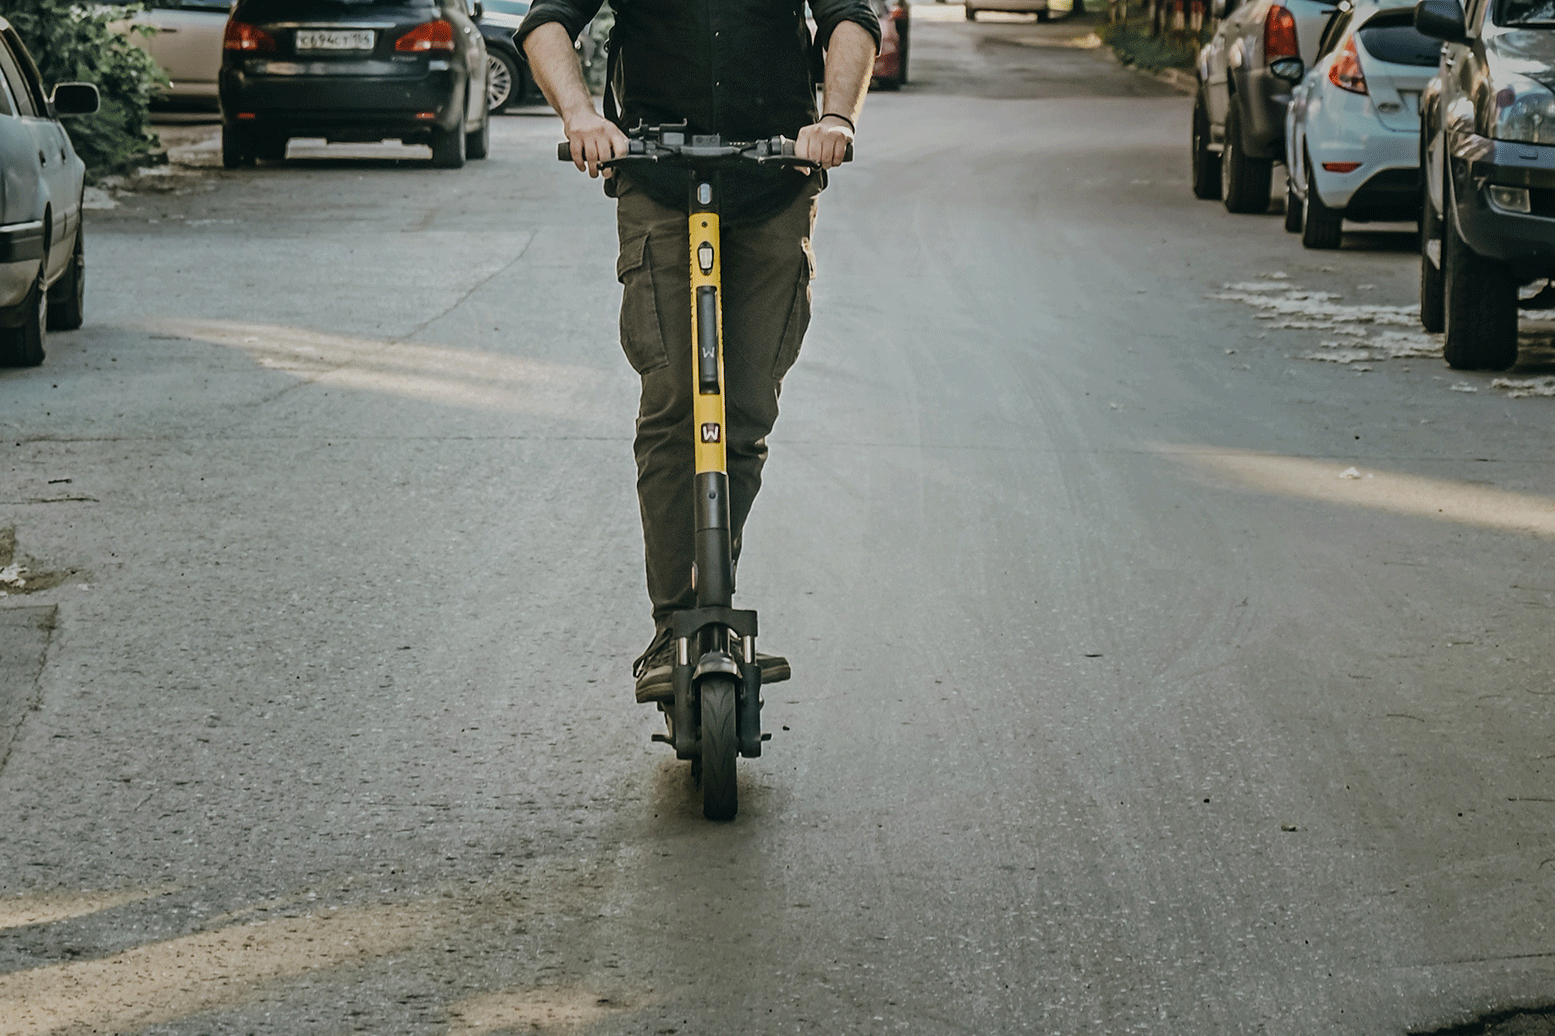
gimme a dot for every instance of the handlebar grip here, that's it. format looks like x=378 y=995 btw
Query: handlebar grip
x=564 y=152
x=788 y=150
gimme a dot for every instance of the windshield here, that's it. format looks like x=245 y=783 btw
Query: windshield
x=1525 y=12
x=518 y=7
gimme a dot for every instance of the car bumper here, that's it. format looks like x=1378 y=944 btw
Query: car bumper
x=287 y=95
x=1524 y=240
x=1386 y=184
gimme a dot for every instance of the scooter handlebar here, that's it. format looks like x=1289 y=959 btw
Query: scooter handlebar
x=784 y=145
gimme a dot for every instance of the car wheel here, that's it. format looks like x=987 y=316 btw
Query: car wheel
x=270 y=148
x=22 y=346
x=478 y=144
x=67 y=301
x=1206 y=164
x=971 y=14
x=901 y=52
x=1293 y=206
x=504 y=83
x=1322 y=226
x=1479 y=305
x=237 y=148
x=1432 y=289
x=1245 y=181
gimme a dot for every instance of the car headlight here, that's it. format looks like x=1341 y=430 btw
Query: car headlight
x=1525 y=113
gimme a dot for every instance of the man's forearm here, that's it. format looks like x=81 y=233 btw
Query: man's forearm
x=554 y=64
x=850 y=61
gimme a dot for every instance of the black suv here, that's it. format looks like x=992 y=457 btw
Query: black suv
x=354 y=70
x=1487 y=141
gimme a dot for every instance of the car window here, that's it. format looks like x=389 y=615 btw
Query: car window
x=1525 y=12
x=1334 y=31
x=1394 y=38
x=220 y=6
x=518 y=7
x=21 y=95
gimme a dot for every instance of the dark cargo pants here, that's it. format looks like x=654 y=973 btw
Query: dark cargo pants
x=766 y=271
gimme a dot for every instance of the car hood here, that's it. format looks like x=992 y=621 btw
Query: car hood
x=1523 y=52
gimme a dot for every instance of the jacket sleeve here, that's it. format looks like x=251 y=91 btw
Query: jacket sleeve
x=573 y=15
x=828 y=13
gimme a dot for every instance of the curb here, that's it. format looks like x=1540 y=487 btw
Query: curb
x=1178 y=79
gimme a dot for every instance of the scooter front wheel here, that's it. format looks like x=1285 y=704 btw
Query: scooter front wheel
x=720 y=746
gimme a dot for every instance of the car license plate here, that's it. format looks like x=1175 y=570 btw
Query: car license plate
x=334 y=39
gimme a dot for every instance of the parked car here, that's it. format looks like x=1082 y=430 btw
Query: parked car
x=508 y=83
x=1352 y=132
x=186 y=43
x=1040 y=8
x=1487 y=133
x=354 y=70
x=1259 y=50
x=891 y=63
x=42 y=241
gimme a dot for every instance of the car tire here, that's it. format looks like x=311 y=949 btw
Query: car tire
x=237 y=147
x=1245 y=181
x=903 y=34
x=971 y=14
x=1321 y=226
x=1432 y=287
x=22 y=346
x=1293 y=206
x=477 y=145
x=1205 y=163
x=448 y=147
x=270 y=148
x=504 y=82
x=67 y=299
x=1479 y=308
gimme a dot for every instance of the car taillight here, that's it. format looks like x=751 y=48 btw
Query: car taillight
x=438 y=35
x=1345 y=72
x=243 y=36
x=1279 y=34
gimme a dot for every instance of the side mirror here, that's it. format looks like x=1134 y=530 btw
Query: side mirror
x=1441 y=20
x=75 y=99
x=1289 y=69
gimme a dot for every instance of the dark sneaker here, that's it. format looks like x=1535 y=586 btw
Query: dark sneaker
x=655 y=670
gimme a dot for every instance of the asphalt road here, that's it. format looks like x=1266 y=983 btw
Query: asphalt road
x=1170 y=628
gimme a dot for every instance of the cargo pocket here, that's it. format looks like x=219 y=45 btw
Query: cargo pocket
x=641 y=337
x=798 y=316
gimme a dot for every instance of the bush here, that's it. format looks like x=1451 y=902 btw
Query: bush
x=1135 y=46
x=72 y=42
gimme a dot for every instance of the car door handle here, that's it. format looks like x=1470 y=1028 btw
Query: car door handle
x=163 y=30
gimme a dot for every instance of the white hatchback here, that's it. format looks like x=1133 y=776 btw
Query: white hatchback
x=1352 y=131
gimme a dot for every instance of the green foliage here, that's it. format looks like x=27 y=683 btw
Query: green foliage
x=74 y=42
x=1134 y=45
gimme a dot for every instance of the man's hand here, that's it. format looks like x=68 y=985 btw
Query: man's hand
x=594 y=139
x=825 y=142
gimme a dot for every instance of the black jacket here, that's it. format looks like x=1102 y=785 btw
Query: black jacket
x=738 y=68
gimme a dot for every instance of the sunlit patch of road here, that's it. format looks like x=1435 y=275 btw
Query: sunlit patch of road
x=1464 y=503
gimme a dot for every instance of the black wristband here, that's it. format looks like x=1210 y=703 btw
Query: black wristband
x=844 y=118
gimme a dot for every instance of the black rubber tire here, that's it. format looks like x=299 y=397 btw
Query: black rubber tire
x=1205 y=163
x=504 y=82
x=22 y=346
x=904 y=35
x=1293 y=207
x=67 y=299
x=1245 y=181
x=448 y=148
x=1433 y=293
x=270 y=148
x=477 y=145
x=1479 y=306
x=971 y=14
x=237 y=147
x=720 y=747
x=1321 y=226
